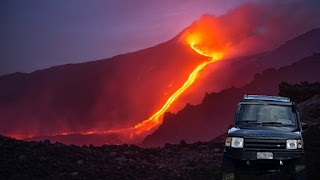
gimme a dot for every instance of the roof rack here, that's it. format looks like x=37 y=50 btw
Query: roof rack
x=266 y=98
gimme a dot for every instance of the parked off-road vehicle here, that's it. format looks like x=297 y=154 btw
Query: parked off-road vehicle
x=266 y=139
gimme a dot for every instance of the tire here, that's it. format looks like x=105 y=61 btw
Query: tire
x=228 y=169
x=299 y=171
x=295 y=169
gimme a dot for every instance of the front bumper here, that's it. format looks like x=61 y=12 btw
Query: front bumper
x=244 y=154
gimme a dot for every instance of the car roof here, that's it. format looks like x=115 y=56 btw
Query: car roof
x=265 y=98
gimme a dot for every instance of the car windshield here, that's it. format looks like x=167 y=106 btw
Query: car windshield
x=266 y=115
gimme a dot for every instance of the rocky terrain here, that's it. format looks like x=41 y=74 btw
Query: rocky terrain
x=45 y=160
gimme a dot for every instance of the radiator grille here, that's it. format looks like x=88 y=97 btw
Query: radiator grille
x=264 y=144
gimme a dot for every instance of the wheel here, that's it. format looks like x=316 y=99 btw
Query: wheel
x=299 y=171
x=228 y=169
x=295 y=169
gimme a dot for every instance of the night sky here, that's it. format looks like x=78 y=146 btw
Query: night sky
x=37 y=34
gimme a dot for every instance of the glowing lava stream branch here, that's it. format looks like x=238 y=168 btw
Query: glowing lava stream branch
x=172 y=98
x=153 y=120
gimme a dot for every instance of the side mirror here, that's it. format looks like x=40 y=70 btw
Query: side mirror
x=304 y=125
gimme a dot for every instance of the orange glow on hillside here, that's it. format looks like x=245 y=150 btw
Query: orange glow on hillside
x=192 y=40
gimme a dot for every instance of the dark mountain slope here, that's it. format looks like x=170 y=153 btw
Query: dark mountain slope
x=212 y=117
x=111 y=93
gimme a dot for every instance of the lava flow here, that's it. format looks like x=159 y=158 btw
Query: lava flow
x=153 y=120
x=193 y=40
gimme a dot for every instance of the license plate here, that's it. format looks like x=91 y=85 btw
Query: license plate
x=264 y=155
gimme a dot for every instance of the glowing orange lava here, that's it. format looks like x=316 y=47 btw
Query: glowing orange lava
x=153 y=120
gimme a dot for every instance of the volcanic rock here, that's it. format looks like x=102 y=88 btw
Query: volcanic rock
x=310 y=110
x=44 y=160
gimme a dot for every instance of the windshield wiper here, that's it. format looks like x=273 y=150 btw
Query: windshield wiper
x=272 y=123
x=288 y=125
x=248 y=121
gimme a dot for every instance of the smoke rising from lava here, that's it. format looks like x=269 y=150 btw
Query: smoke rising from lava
x=252 y=28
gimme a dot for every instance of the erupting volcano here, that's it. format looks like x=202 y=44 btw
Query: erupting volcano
x=194 y=38
x=124 y=98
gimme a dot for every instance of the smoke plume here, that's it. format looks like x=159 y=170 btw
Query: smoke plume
x=252 y=28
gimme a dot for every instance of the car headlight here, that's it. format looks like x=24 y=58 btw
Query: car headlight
x=294 y=144
x=291 y=144
x=235 y=142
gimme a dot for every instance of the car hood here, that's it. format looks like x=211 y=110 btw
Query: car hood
x=263 y=134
